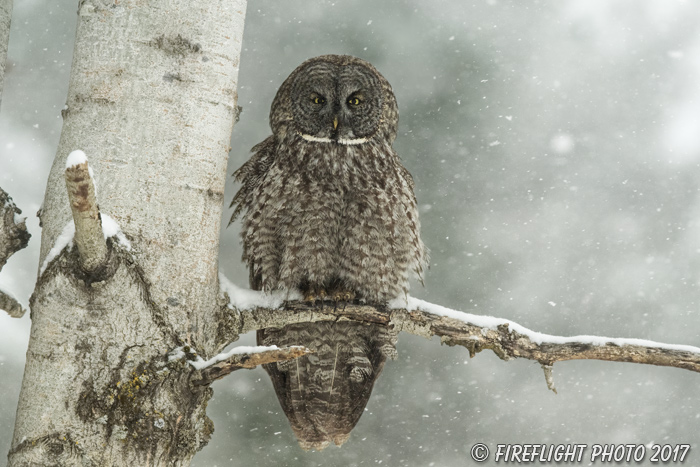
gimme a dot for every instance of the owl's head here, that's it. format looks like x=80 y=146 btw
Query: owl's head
x=335 y=99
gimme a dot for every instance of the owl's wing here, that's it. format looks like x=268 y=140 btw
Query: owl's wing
x=421 y=254
x=403 y=171
x=251 y=174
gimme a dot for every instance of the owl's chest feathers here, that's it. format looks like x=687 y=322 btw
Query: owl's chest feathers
x=333 y=191
x=333 y=168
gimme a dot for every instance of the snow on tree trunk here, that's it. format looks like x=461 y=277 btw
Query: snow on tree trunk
x=152 y=103
x=5 y=15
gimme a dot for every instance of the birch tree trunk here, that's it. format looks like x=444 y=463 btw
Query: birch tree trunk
x=5 y=16
x=152 y=103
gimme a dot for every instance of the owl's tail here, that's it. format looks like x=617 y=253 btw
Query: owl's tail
x=324 y=393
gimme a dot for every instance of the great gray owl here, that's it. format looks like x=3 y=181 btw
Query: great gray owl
x=328 y=209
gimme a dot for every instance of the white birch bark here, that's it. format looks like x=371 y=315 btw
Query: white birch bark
x=5 y=16
x=152 y=103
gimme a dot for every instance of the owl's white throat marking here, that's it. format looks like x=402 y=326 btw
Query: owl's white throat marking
x=345 y=141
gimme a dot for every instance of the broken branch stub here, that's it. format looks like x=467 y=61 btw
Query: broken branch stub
x=86 y=216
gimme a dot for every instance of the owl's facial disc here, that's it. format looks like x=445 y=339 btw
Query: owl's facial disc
x=337 y=104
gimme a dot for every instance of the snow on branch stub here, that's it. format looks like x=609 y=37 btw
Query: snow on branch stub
x=86 y=214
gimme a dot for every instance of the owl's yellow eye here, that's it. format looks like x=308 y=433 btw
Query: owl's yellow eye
x=354 y=101
x=319 y=100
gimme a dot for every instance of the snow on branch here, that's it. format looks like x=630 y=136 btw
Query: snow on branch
x=235 y=359
x=13 y=237
x=509 y=340
x=86 y=214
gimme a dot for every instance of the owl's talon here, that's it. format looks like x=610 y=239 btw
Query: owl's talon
x=315 y=297
x=310 y=298
x=322 y=295
x=343 y=296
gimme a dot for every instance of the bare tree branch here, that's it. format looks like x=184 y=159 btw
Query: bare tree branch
x=13 y=230
x=249 y=360
x=507 y=339
x=10 y=305
x=13 y=237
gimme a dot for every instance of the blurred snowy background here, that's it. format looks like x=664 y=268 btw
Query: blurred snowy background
x=555 y=147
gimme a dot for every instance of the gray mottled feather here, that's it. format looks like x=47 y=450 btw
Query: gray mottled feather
x=324 y=394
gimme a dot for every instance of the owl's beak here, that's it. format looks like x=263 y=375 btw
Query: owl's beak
x=335 y=123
